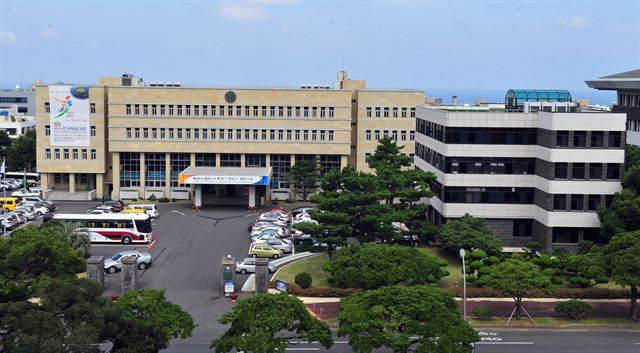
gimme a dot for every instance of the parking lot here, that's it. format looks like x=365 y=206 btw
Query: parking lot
x=187 y=258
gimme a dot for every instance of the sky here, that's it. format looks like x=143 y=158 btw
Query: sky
x=468 y=48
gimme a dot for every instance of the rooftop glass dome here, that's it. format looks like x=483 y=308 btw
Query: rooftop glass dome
x=515 y=98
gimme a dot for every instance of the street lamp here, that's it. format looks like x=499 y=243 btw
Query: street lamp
x=464 y=286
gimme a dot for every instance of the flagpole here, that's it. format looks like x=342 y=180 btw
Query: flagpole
x=4 y=195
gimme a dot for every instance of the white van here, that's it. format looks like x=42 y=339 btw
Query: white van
x=150 y=209
x=30 y=200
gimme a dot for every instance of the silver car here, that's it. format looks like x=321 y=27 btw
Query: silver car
x=248 y=265
x=20 y=215
x=114 y=264
x=284 y=245
x=279 y=232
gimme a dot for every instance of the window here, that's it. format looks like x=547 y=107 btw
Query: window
x=305 y=135
x=213 y=110
x=272 y=135
x=386 y=112
x=47 y=130
x=593 y=202
x=403 y=135
x=368 y=135
x=412 y=135
x=154 y=110
x=562 y=139
x=306 y=112
x=564 y=235
x=84 y=153
x=413 y=112
x=155 y=169
x=47 y=107
x=136 y=133
x=323 y=112
x=377 y=112
x=137 y=109
x=579 y=139
x=322 y=135
x=93 y=131
x=256 y=160
x=297 y=135
x=560 y=171
x=289 y=111
x=280 y=111
x=522 y=227
x=613 y=171
x=394 y=135
x=204 y=134
x=128 y=109
x=238 y=134
x=377 y=135
x=272 y=111
x=289 y=135
x=329 y=163
x=560 y=202
x=145 y=109
x=47 y=153
x=368 y=112
x=213 y=134
x=92 y=108
x=264 y=134
x=297 y=112
x=229 y=134
x=179 y=162
x=230 y=111
x=608 y=200
x=170 y=109
x=280 y=135
x=595 y=170
x=615 y=139
x=162 y=133
x=330 y=135
x=597 y=138
x=314 y=135
x=577 y=202
x=65 y=153
x=247 y=110
x=221 y=135
x=577 y=171
x=129 y=168
x=395 y=112
x=247 y=134
x=171 y=133
x=280 y=165
x=145 y=133
x=179 y=134
x=331 y=112
x=187 y=109
x=205 y=159
x=404 y=112
x=238 y=111
x=57 y=153
x=179 y=110
x=230 y=160
x=75 y=153
x=93 y=154
x=221 y=111
x=196 y=110
x=196 y=134
x=255 y=134
x=162 y=110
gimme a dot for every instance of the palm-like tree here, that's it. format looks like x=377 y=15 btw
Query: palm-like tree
x=78 y=237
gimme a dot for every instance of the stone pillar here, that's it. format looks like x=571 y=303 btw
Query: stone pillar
x=167 y=175
x=129 y=274
x=292 y=188
x=44 y=181
x=262 y=275
x=198 y=199
x=142 y=176
x=95 y=269
x=218 y=160
x=243 y=160
x=115 y=193
x=72 y=182
x=343 y=161
x=252 y=196
x=99 y=186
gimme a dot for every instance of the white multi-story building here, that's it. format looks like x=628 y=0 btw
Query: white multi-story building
x=535 y=171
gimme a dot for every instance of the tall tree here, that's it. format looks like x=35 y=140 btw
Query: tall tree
x=622 y=216
x=265 y=323
x=304 y=176
x=78 y=237
x=22 y=152
x=515 y=278
x=5 y=143
x=405 y=319
x=469 y=233
x=622 y=261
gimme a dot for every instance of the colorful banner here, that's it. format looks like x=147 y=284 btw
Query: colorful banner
x=69 y=115
x=223 y=179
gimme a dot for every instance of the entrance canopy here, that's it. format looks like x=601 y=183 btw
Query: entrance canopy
x=225 y=176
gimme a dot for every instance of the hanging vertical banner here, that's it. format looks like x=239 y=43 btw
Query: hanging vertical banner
x=69 y=115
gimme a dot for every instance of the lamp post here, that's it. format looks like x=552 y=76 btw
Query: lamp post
x=464 y=286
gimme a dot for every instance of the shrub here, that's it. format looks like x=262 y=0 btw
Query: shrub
x=478 y=254
x=560 y=292
x=173 y=199
x=484 y=312
x=326 y=267
x=492 y=260
x=549 y=271
x=443 y=263
x=476 y=265
x=295 y=289
x=303 y=279
x=556 y=280
x=468 y=233
x=163 y=199
x=573 y=309
x=152 y=197
x=371 y=266
x=484 y=270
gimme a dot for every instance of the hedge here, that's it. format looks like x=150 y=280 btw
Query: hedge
x=322 y=292
x=568 y=293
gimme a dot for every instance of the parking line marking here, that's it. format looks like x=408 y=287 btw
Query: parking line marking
x=514 y=343
x=174 y=211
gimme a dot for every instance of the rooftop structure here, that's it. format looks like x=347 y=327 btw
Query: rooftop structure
x=515 y=99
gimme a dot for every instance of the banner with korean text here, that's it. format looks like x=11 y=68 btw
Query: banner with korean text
x=69 y=115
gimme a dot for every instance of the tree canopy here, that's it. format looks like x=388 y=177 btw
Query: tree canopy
x=515 y=278
x=304 y=176
x=370 y=266
x=265 y=323
x=21 y=154
x=622 y=261
x=405 y=319
x=469 y=233
x=622 y=216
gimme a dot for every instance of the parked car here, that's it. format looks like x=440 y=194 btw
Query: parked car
x=263 y=238
x=248 y=265
x=114 y=263
x=29 y=212
x=25 y=192
x=264 y=250
x=301 y=210
x=97 y=211
x=103 y=207
x=272 y=219
x=21 y=217
x=49 y=205
x=11 y=183
x=284 y=245
x=298 y=237
x=405 y=234
x=40 y=208
x=279 y=232
x=117 y=206
x=150 y=209
x=30 y=200
x=8 y=221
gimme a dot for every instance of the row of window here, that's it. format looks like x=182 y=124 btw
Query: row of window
x=390 y=112
x=229 y=134
x=47 y=130
x=584 y=139
x=155 y=166
x=393 y=134
x=629 y=99
x=92 y=107
x=67 y=153
x=14 y=100
x=213 y=111
x=580 y=202
x=633 y=125
x=596 y=171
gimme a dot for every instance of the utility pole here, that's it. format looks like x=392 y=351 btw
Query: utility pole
x=464 y=286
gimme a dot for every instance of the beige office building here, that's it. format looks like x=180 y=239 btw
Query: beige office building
x=215 y=144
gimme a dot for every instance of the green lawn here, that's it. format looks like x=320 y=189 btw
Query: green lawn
x=311 y=265
x=552 y=321
x=454 y=267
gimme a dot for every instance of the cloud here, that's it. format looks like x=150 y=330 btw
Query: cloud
x=284 y=28
x=7 y=38
x=573 y=22
x=243 y=12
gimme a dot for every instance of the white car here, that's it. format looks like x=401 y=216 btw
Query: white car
x=24 y=193
x=279 y=232
x=40 y=208
x=263 y=238
x=150 y=209
x=30 y=200
x=28 y=211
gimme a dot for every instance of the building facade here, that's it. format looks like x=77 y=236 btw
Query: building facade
x=627 y=86
x=144 y=136
x=22 y=101
x=535 y=174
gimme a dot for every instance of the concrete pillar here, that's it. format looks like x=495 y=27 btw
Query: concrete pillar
x=292 y=188
x=343 y=161
x=193 y=164
x=44 y=181
x=167 y=175
x=252 y=196
x=142 y=176
x=95 y=269
x=262 y=275
x=99 y=186
x=129 y=275
x=72 y=182
x=218 y=160
x=243 y=160
x=115 y=193
x=198 y=199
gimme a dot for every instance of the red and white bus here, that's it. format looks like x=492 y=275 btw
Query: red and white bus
x=122 y=228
